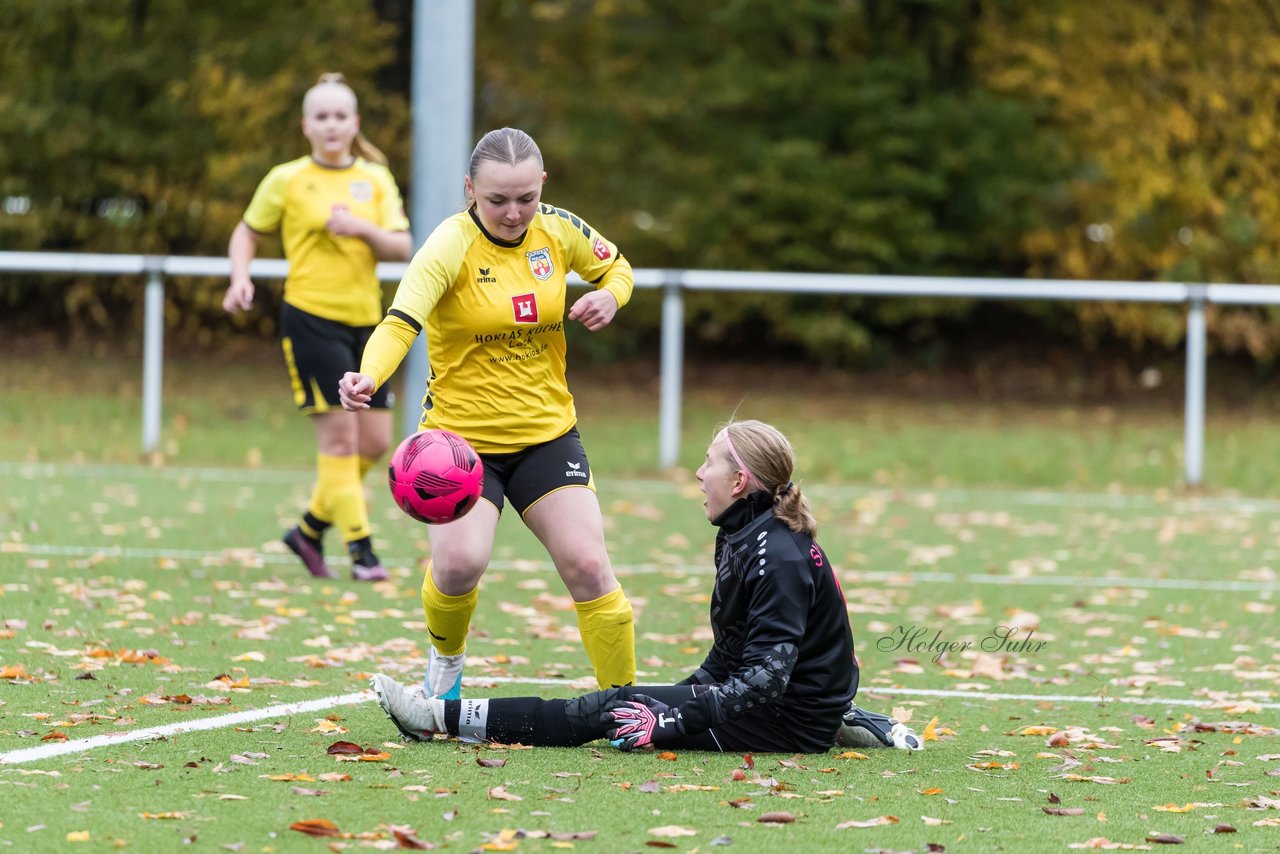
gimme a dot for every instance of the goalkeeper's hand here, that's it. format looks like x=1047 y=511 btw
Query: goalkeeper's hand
x=642 y=721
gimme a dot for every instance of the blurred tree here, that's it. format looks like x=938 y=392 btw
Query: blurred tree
x=952 y=137
x=1170 y=112
x=805 y=136
x=145 y=125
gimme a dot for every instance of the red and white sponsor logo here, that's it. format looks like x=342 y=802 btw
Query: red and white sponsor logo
x=525 y=307
x=601 y=249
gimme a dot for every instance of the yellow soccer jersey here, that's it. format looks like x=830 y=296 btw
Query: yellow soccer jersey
x=332 y=277
x=494 y=314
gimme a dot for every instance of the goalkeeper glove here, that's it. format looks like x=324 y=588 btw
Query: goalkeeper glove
x=642 y=721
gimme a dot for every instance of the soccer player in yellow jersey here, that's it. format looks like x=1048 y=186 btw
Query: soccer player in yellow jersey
x=339 y=212
x=489 y=288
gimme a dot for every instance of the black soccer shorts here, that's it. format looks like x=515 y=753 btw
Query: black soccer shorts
x=318 y=352
x=526 y=476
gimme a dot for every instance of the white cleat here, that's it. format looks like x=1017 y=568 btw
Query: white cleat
x=905 y=738
x=444 y=675
x=417 y=716
x=864 y=729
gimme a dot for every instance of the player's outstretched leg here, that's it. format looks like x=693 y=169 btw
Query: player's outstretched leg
x=861 y=728
x=417 y=716
x=443 y=679
x=310 y=550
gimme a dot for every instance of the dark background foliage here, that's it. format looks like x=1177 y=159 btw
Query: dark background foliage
x=979 y=138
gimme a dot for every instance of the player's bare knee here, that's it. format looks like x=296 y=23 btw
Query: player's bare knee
x=456 y=573
x=588 y=572
x=373 y=450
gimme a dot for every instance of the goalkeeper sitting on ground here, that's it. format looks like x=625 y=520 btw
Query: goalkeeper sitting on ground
x=781 y=674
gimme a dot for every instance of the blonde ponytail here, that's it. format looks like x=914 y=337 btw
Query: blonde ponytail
x=793 y=509
x=362 y=147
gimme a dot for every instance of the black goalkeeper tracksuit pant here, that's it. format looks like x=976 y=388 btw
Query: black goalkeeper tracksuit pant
x=568 y=723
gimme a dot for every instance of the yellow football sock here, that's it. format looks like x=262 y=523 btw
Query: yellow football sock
x=448 y=617
x=339 y=482
x=608 y=633
x=366 y=463
x=318 y=506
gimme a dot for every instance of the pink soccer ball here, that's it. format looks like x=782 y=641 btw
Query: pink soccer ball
x=435 y=476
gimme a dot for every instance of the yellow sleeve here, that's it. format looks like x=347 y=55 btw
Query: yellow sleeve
x=267 y=206
x=386 y=348
x=391 y=215
x=619 y=281
x=431 y=272
x=593 y=257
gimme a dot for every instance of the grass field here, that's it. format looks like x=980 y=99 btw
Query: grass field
x=153 y=599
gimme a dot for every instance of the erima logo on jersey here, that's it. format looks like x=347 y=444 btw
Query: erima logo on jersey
x=483 y=278
x=575 y=469
x=540 y=263
x=525 y=307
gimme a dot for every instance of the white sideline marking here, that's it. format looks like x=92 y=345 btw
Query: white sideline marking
x=626 y=486
x=903 y=576
x=1069 y=580
x=103 y=471
x=47 y=751
x=1054 y=698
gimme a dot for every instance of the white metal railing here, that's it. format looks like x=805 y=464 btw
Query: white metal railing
x=673 y=284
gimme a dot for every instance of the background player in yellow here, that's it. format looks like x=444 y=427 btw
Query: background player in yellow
x=339 y=212
x=489 y=287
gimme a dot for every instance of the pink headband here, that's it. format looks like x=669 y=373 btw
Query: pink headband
x=724 y=434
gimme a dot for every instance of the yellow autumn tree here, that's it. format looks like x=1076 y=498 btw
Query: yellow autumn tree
x=1170 y=110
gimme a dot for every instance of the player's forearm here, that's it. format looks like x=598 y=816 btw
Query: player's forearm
x=386 y=349
x=751 y=685
x=241 y=249
x=388 y=245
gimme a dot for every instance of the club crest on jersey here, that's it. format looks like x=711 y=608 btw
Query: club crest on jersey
x=601 y=249
x=525 y=307
x=361 y=191
x=540 y=263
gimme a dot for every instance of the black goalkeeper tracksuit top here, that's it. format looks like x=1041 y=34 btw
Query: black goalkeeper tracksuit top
x=782 y=638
